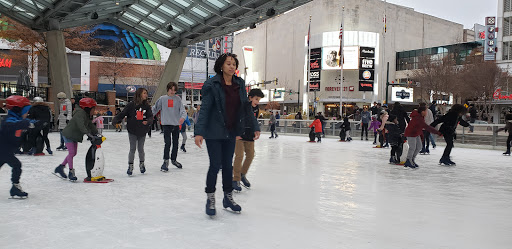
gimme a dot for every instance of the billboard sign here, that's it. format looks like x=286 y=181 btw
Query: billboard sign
x=402 y=94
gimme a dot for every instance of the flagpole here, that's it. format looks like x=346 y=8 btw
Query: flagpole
x=309 y=65
x=341 y=62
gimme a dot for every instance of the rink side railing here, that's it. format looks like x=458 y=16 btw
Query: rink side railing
x=483 y=134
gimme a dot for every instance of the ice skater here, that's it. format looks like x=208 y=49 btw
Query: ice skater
x=172 y=115
x=383 y=117
x=10 y=132
x=317 y=124
x=429 y=119
x=224 y=95
x=245 y=144
x=40 y=111
x=272 y=122
x=414 y=132
x=139 y=120
x=395 y=139
x=80 y=125
x=65 y=114
x=365 y=121
x=449 y=123
x=183 y=132
x=507 y=128
x=345 y=128
x=98 y=120
x=374 y=126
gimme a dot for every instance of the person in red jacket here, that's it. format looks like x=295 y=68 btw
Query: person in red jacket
x=414 y=134
x=318 y=129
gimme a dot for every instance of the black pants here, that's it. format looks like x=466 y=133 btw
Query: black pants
x=35 y=133
x=273 y=130
x=426 y=141
x=220 y=152
x=364 y=129
x=449 y=145
x=381 y=138
x=15 y=164
x=509 y=141
x=396 y=151
x=174 y=131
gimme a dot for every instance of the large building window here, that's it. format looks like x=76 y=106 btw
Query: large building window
x=507 y=51
x=506 y=26
x=508 y=5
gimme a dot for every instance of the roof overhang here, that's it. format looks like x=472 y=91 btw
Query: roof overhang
x=171 y=23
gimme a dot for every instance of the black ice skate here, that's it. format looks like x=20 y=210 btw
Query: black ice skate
x=165 y=166
x=59 y=171
x=177 y=164
x=142 y=167
x=17 y=192
x=71 y=175
x=61 y=147
x=130 y=169
x=446 y=161
x=210 y=204
x=507 y=153
x=245 y=182
x=409 y=164
x=236 y=186
x=229 y=202
x=183 y=148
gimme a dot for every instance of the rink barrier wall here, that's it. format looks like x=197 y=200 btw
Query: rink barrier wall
x=484 y=134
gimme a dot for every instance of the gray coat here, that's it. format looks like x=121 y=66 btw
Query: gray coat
x=65 y=113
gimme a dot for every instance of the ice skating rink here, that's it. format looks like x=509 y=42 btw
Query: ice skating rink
x=304 y=195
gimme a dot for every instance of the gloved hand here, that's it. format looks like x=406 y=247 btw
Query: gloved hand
x=36 y=124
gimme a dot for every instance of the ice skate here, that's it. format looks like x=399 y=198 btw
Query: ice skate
x=409 y=164
x=130 y=169
x=17 y=192
x=142 y=168
x=71 y=175
x=392 y=160
x=177 y=164
x=236 y=186
x=165 y=166
x=422 y=152
x=59 y=171
x=228 y=202
x=183 y=148
x=446 y=161
x=50 y=152
x=210 y=204
x=506 y=153
x=61 y=147
x=245 y=182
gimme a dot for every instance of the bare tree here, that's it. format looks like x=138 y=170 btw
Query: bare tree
x=112 y=64
x=437 y=77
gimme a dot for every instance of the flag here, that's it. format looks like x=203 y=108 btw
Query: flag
x=340 y=60
x=309 y=30
x=385 y=24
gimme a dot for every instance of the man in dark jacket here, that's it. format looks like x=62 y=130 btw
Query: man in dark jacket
x=401 y=115
x=322 y=120
x=472 y=116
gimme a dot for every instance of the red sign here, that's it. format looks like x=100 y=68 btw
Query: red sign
x=5 y=63
x=497 y=95
x=190 y=85
x=314 y=65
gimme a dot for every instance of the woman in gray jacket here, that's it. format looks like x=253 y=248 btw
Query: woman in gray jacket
x=65 y=114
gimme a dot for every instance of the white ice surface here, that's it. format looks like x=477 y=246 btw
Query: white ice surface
x=304 y=195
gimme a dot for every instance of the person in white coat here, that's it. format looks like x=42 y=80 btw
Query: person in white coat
x=65 y=114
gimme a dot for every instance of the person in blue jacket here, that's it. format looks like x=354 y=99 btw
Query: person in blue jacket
x=183 y=131
x=220 y=123
x=10 y=138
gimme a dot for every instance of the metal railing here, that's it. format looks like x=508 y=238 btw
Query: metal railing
x=8 y=89
x=100 y=97
x=483 y=134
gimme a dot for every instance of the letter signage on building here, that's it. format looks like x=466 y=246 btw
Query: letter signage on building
x=402 y=94
x=366 y=69
x=315 y=62
x=498 y=96
x=5 y=62
x=490 y=39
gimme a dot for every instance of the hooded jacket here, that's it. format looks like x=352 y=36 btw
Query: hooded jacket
x=417 y=125
x=78 y=126
x=317 y=124
x=10 y=132
x=395 y=133
x=135 y=115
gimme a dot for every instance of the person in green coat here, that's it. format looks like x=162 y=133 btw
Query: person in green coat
x=80 y=125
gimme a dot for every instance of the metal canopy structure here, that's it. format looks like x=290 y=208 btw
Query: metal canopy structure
x=171 y=23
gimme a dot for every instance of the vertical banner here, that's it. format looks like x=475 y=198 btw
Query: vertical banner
x=366 y=69
x=315 y=67
x=490 y=39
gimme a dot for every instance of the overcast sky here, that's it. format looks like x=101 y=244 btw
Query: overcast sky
x=466 y=12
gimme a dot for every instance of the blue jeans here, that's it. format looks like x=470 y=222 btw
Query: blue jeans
x=432 y=140
x=221 y=153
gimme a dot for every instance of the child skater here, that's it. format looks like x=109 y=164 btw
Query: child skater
x=79 y=125
x=374 y=125
x=345 y=127
x=10 y=133
x=507 y=128
x=450 y=121
x=382 y=129
x=245 y=145
x=99 y=123
x=395 y=139
x=414 y=134
x=139 y=119
x=318 y=128
x=183 y=131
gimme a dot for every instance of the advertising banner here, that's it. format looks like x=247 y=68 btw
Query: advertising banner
x=402 y=94
x=330 y=58
x=315 y=67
